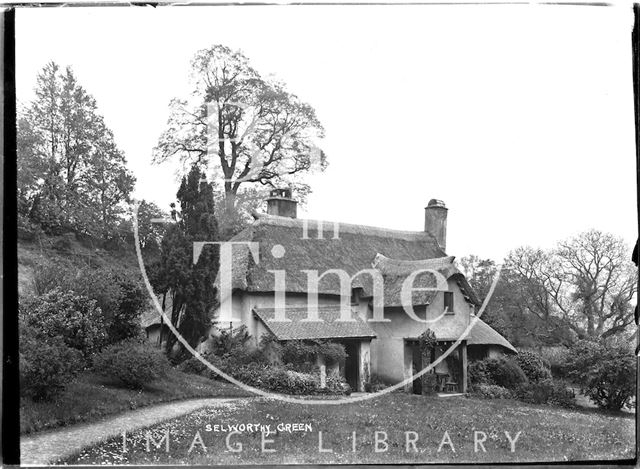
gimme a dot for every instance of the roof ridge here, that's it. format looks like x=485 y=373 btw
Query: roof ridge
x=295 y=307
x=275 y=220
x=382 y=260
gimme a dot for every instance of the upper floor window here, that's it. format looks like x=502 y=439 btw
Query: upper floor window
x=448 y=302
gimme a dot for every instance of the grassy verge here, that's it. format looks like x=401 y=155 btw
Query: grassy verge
x=91 y=397
x=546 y=434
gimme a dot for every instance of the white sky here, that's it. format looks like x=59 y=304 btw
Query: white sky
x=519 y=117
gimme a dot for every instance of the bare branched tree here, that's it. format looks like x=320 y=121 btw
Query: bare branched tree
x=587 y=282
x=248 y=129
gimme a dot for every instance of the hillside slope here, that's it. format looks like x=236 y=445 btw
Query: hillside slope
x=69 y=251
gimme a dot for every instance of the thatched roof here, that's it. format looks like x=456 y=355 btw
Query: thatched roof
x=448 y=329
x=329 y=328
x=483 y=334
x=396 y=271
x=358 y=247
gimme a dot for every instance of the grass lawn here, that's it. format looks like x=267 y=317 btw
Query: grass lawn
x=546 y=434
x=91 y=397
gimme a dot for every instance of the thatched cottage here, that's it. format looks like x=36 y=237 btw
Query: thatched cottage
x=290 y=254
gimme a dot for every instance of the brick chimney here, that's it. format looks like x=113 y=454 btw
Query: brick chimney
x=281 y=204
x=435 y=221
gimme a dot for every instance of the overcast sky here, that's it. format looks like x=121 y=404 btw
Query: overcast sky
x=519 y=117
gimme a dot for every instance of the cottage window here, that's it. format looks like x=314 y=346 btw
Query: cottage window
x=448 y=302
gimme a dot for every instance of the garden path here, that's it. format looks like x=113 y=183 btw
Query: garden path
x=47 y=447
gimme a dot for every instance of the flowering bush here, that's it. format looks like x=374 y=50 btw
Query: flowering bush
x=132 y=362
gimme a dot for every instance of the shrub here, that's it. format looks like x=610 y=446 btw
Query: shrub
x=229 y=341
x=429 y=383
x=132 y=362
x=331 y=351
x=302 y=354
x=503 y=372
x=226 y=363
x=555 y=358
x=118 y=294
x=125 y=322
x=606 y=372
x=280 y=379
x=478 y=373
x=337 y=385
x=193 y=366
x=298 y=352
x=48 y=275
x=533 y=366
x=547 y=392
x=46 y=367
x=492 y=391
x=375 y=384
x=66 y=315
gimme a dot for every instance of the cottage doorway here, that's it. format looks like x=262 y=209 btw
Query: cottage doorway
x=352 y=363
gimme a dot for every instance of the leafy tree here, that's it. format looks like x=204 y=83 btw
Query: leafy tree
x=108 y=184
x=479 y=272
x=250 y=129
x=30 y=166
x=189 y=285
x=71 y=175
x=150 y=233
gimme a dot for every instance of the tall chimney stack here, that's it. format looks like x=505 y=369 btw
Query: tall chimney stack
x=435 y=221
x=281 y=204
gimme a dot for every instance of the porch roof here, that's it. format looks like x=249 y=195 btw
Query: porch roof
x=448 y=330
x=483 y=334
x=328 y=328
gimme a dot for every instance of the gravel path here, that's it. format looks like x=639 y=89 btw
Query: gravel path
x=47 y=447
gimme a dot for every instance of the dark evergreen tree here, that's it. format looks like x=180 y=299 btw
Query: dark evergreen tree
x=189 y=286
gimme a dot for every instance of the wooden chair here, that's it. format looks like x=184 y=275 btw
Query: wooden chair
x=442 y=379
x=451 y=386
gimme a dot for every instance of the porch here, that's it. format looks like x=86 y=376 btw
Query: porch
x=355 y=336
x=449 y=376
